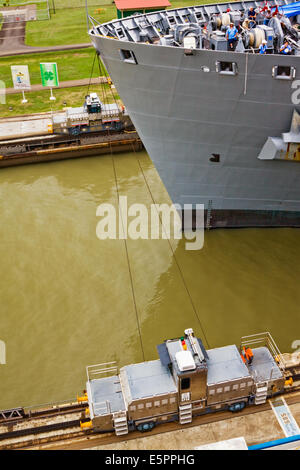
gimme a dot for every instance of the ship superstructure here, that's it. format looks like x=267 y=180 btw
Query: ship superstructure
x=205 y=111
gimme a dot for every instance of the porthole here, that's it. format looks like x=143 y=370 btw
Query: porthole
x=283 y=72
x=215 y=158
x=128 y=56
x=226 y=68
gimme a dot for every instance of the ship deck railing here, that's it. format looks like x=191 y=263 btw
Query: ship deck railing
x=264 y=340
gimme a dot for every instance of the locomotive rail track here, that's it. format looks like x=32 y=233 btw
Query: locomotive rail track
x=57 y=420
x=39 y=414
x=68 y=435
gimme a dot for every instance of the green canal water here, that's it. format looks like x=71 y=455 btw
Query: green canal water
x=69 y=299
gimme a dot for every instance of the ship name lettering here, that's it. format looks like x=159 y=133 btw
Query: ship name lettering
x=296 y=94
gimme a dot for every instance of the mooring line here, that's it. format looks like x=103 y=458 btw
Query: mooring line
x=128 y=261
x=174 y=256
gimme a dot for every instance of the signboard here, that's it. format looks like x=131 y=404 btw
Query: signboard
x=20 y=77
x=49 y=74
x=285 y=417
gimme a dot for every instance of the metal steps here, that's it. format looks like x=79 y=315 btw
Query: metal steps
x=261 y=393
x=120 y=423
x=185 y=413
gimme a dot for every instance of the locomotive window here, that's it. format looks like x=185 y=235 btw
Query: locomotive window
x=157 y=403
x=242 y=385
x=172 y=400
x=226 y=389
x=141 y=406
x=219 y=390
x=249 y=384
x=149 y=405
x=185 y=383
x=164 y=402
x=128 y=56
x=132 y=408
x=235 y=387
x=211 y=392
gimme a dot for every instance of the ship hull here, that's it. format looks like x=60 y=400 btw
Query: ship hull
x=204 y=131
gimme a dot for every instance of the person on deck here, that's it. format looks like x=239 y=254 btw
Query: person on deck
x=268 y=16
x=231 y=36
x=285 y=49
x=252 y=17
x=245 y=24
x=263 y=47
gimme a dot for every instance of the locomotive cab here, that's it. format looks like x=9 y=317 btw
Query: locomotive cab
x=92 y=103
x=186 y=359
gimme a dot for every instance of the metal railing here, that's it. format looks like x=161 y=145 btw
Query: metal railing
x=52 y=405
x=264 y=340
x=98 y=371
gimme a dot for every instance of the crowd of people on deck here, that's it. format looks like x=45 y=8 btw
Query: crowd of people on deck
x=232 y=31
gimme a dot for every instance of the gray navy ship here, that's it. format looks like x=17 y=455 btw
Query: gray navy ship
x=219 y=120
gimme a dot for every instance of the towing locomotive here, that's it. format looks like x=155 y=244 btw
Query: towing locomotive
x=93 y=116
x=186 y=381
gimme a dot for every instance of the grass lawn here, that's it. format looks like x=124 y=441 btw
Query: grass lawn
x=65 y=27
x=68 y=25
x=72 y=65
x=38 y=102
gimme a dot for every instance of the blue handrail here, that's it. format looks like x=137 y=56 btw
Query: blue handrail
x=277 y=442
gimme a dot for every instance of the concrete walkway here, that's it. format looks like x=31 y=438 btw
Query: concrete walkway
x=66 y=84
x=20 y=50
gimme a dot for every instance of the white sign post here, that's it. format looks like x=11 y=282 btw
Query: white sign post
x=21 y=79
